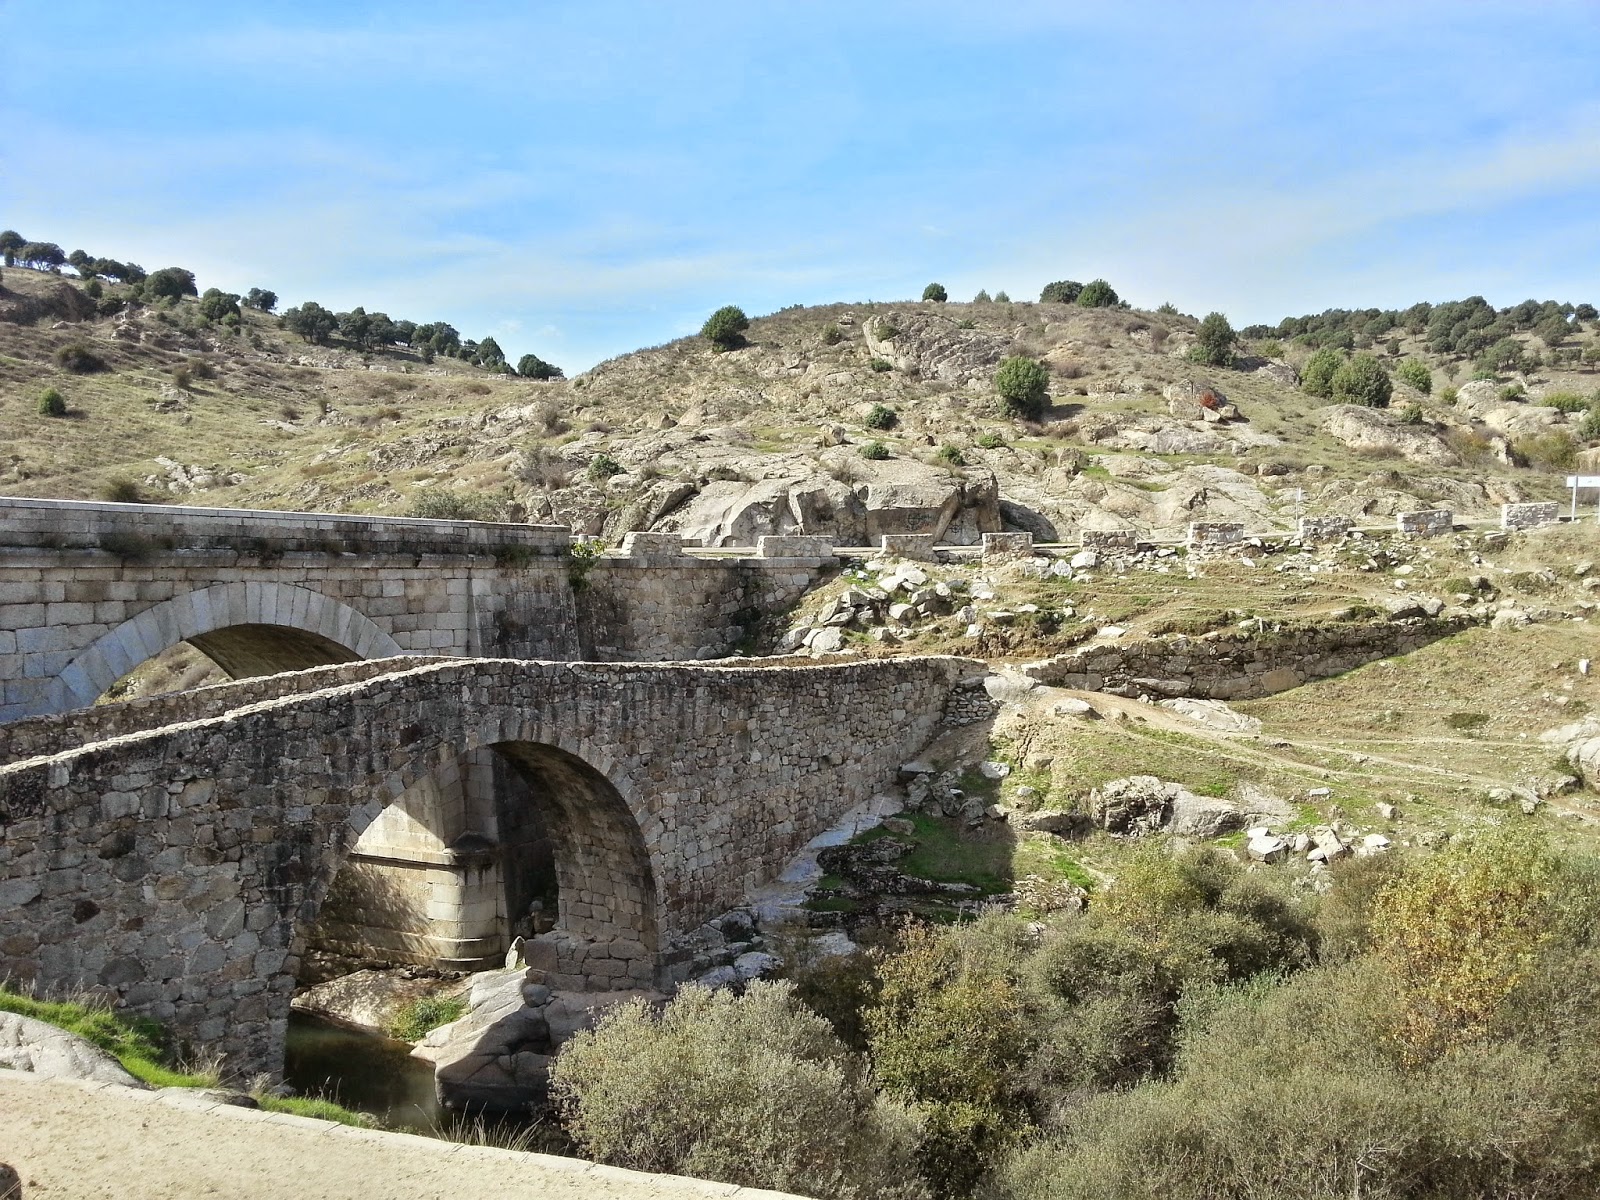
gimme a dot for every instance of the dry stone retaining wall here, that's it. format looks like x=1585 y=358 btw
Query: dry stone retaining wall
x=997 y=546
x=1529 y=516
x=1211 y=534
x=175 y=870
x=1235 y=665
x=1110 y=539
x=1324 y=529
x=920 y=546
x=1427 y=522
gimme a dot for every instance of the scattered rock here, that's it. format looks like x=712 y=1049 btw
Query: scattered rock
x=43 y=1049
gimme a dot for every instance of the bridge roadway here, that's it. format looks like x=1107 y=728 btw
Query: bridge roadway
x=178 y=869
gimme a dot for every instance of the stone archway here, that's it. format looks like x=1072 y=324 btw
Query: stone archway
x=246 y=628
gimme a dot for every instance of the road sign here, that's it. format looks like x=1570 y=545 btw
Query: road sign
x=1583 y=481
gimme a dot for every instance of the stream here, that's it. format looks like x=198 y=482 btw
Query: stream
x=363 y=1071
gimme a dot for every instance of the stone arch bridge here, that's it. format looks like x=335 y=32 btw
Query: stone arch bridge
x=177 y=867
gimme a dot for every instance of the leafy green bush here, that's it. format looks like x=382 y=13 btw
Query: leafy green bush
x=1512 y=391
x=424 y=1014
x=751 y=1090
x=1214 y=342
x=602 y=467
x=1567 y=402
x=51 y=403
x=881 y=416
x=724 y=329
x=991 y=441
x=80 y=360
x=119 y=489
x=1316 y=377
x=881 y=365
x=1062 y=291
x=935 y=291
x=949 y=455
x=442 y=504
x=1001 y=298
x=1554 y=450
x=1589 y=427
x=1362 y=380
x=832 y=335
x=1412 y=414
x=1097 y=293
x=1448 y=395
x=982 y=297
x=875 y=451
x=1023 y=384
x=1416 y=375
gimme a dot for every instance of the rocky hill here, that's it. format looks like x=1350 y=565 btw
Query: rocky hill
x=844 y=420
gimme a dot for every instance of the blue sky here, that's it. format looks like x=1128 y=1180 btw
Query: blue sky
x=581 y=179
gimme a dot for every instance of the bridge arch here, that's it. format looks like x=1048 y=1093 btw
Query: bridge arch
x=257 y=628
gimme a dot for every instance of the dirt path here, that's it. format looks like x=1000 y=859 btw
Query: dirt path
x=72 y=1141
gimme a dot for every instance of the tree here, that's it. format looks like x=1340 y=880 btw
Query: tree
x=754 y=1090
x=170 y=283
x=261 y=299
x=1024 y=386
x=110 y=268
x=51 y=404
x=1363 y=381
x=1097 y=293
x=1552 y=330
x=1416 y=375
x=311 y=321
x=1000 y=297
x=489 y=354
x=1316 y=378
x=1062 y=291
x=1507 y=354
x=42 y=256
x=10 y=242
x=982 y=297
x=935 y=291
x=381 y=330
x=217 y=305
x=1584 y=312
x=1214 y=342
x=82 y=264
x=724 y=329
x=531 y=366
x=356 y=326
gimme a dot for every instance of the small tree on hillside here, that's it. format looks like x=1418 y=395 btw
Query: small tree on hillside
x=1363 y=381
x=1214 y=342
x=10 y=242
x=1316 y=379
x=261 y=300
x=724 y=329
x=1062 y=291
x=531 y=366
x=217 y=305
x=1024 y=385
x=51 y=404
x=43 y=256
x=170 y=283
x=1097 y=293
x=311 y=321
x=935 y=291
x=982 y=297
x=1416 y=375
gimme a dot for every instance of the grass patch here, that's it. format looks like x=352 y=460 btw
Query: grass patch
x=424 y=1014
x=945 y=854
x=316 y=1107
x=138 y=1043
x=1466 y=722
x=1047 y=859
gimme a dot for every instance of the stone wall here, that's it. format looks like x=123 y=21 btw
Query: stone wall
x=1000 y=546
x=1427 y=522
x=919 y=546
x=1324 y=529
x=1207 y=535
x=1110 y=539
x=1237 y=665
x=1529 y=516
x=793 y=546
x=176 y=870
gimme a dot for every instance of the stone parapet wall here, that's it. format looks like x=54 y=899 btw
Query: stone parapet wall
x=1110 y=539
x=175 y=870
x=1238 y=665
x=1529 y=516
x=1207 y=535
x=918 y=546
x=999 y=546
x=1427 y=522
x=793 y=546
x=653 y=547
x=78 y=524
x=1324 y=529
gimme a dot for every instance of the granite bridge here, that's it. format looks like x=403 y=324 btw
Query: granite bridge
x=177 y=853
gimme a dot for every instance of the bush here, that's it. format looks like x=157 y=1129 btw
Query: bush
x=1316 y=377
x=119 y=489
x=424 y=1014
x=1214 y=343
x=982 y=297
x=1416 y=375
x=1001 y=298
x=881 y=365
x=1589 y=427
x=724 y=329
x=881 y=416
x=78 y=359
x=1363 y=381
x=440 y=504
x=1097 y=293
x=531 y=366
x=1567 y=402
x=217 y=305
x=602 y=467
x=936 y=292
x=169 y=283
x=1024 y=385
x=949 y=455
x=875 y=451
x=751 y=1090
x=1448 y=395
x=1412 y=414
x=991 y=441
x=1062 y=291
x=1554 y=450
x=51 y=403
x=832 y=335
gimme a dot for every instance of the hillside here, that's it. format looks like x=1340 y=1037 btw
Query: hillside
x=769 y=437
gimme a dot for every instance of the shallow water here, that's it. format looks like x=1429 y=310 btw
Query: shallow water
x=366 y=1072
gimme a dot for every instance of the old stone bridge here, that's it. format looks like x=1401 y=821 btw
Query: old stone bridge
x=90 y=591
x=180 y=867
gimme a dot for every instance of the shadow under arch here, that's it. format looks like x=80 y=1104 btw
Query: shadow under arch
x=247 y=629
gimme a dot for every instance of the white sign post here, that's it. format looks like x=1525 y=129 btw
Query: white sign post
x=1583 y=481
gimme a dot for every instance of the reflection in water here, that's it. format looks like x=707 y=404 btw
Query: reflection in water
x=363 y=1071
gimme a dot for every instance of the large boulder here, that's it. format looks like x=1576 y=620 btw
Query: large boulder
x=934 y=346
x=1376 y=430
x=43 y=1049
x=1136 y=805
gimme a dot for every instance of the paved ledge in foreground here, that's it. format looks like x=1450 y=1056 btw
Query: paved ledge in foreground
x=77 y=1141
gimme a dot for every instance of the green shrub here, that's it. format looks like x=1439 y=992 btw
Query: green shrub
x=1412 y=414
x=935 y=291
x=724 y=329
x=949 y=455
x=881 y=365
x=751 y=1090
x=442 y=504
x=832 y=335
x=1214 y=342
x=1448 y=395
x=1316 y=377
x=875 y=451
x=1554 y=450
x=424 y=1014
x=80 y=360
x=1062 y=291
x=1589 y=427
x=982 y=297
x=1023 y=384
x=1567 y=402
x=881 y=416
x=602 y=467
x=1271 y=348
x=1363 y=381
x=1512 y=391
x=991 y=441
x=1097 y=293
x=1001 y=298
x=1416 y=375
x=1168 y=309
x=119 y=489
x=51 y=403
